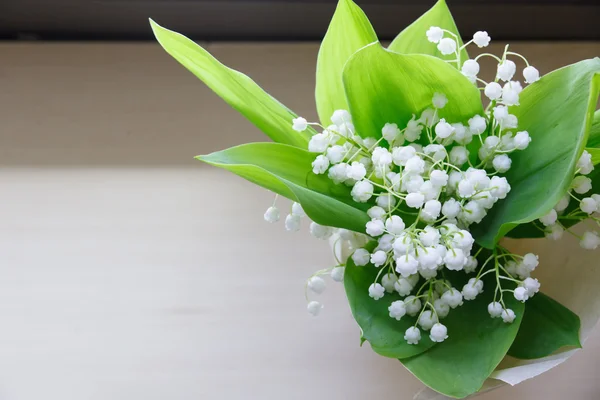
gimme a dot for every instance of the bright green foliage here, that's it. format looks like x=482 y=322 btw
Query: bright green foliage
x=383 y=86
x=476 y=344
x=384 y=334
x=546 y=327
x=412 y=40
x=557 y=112
x=380 y=86
x=286 y=170
x=348 y=31
x=239 y=91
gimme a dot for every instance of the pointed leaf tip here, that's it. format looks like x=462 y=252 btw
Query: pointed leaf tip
x=414 y=40
x=348 y=32
x=237 y=89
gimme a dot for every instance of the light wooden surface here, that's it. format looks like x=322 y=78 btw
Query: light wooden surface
x=129 y=271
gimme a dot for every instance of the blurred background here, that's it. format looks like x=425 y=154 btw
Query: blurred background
x=130 y=271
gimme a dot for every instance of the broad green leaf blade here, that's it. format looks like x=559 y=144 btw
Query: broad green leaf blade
x=557 y=112
x=238 y=90
x=476 y=344
x=287 y=170
x=348 y=31
x=546 y=327
x=384 y=334
x=594 y=139
x=413 y=40
x=383 y=86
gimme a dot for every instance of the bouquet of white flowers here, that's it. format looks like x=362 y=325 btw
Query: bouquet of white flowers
x=416 y=171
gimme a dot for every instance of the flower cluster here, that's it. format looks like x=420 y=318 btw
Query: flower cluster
x=575 y=206
x=426 y=189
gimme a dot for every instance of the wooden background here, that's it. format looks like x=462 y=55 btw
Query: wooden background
x=130 y=271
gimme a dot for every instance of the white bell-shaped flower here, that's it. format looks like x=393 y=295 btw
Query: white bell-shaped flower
x=299 y=124
x=415 y=200
x=590 y=240
x=272 y=214
x=376 y=291
x=531 y=74
x=508 y=315
x=453 y=298
x=439 y=100
x=407 y=265
x=506 y=70
x=443 y=129
x=434 y=34
x=481 y=39
x=397 y=310
x=441 y=308
x=319 y=142
x=337 y=274
x=413 y=305
x=378 y=258
x=495 y=309
x=581 y=184
x=390 y=132
x=316 y=284
x=341 y=117
x=314 y=308
x=447 y=46
x=320 y=231
x=415 y=165
x=522 y=140
x=470 y=68
x=388 y=281
x=478 y=124
x=335 y=154
x=375 y=227
x=362 y=191
x=427 y=319
x=403 y=286
x=502 y=163
x=493 y=91
x=438 y=333
x=412 y=335
x=521 y=294
x=376 y=212
x=394 y=225
x=588 y=205
x=292 y=223
x=361 y=257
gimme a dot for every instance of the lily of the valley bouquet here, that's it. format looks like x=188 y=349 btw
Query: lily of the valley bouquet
x=415 y=172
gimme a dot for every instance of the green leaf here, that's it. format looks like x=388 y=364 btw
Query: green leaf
x=594 y=139
x=557 y=112
x=413 y=40
x=287 y=170
x=383 y=86
x=476 y=344
x=239 y=91
x=384 y=334
x=546 y=327
x=348 y=31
